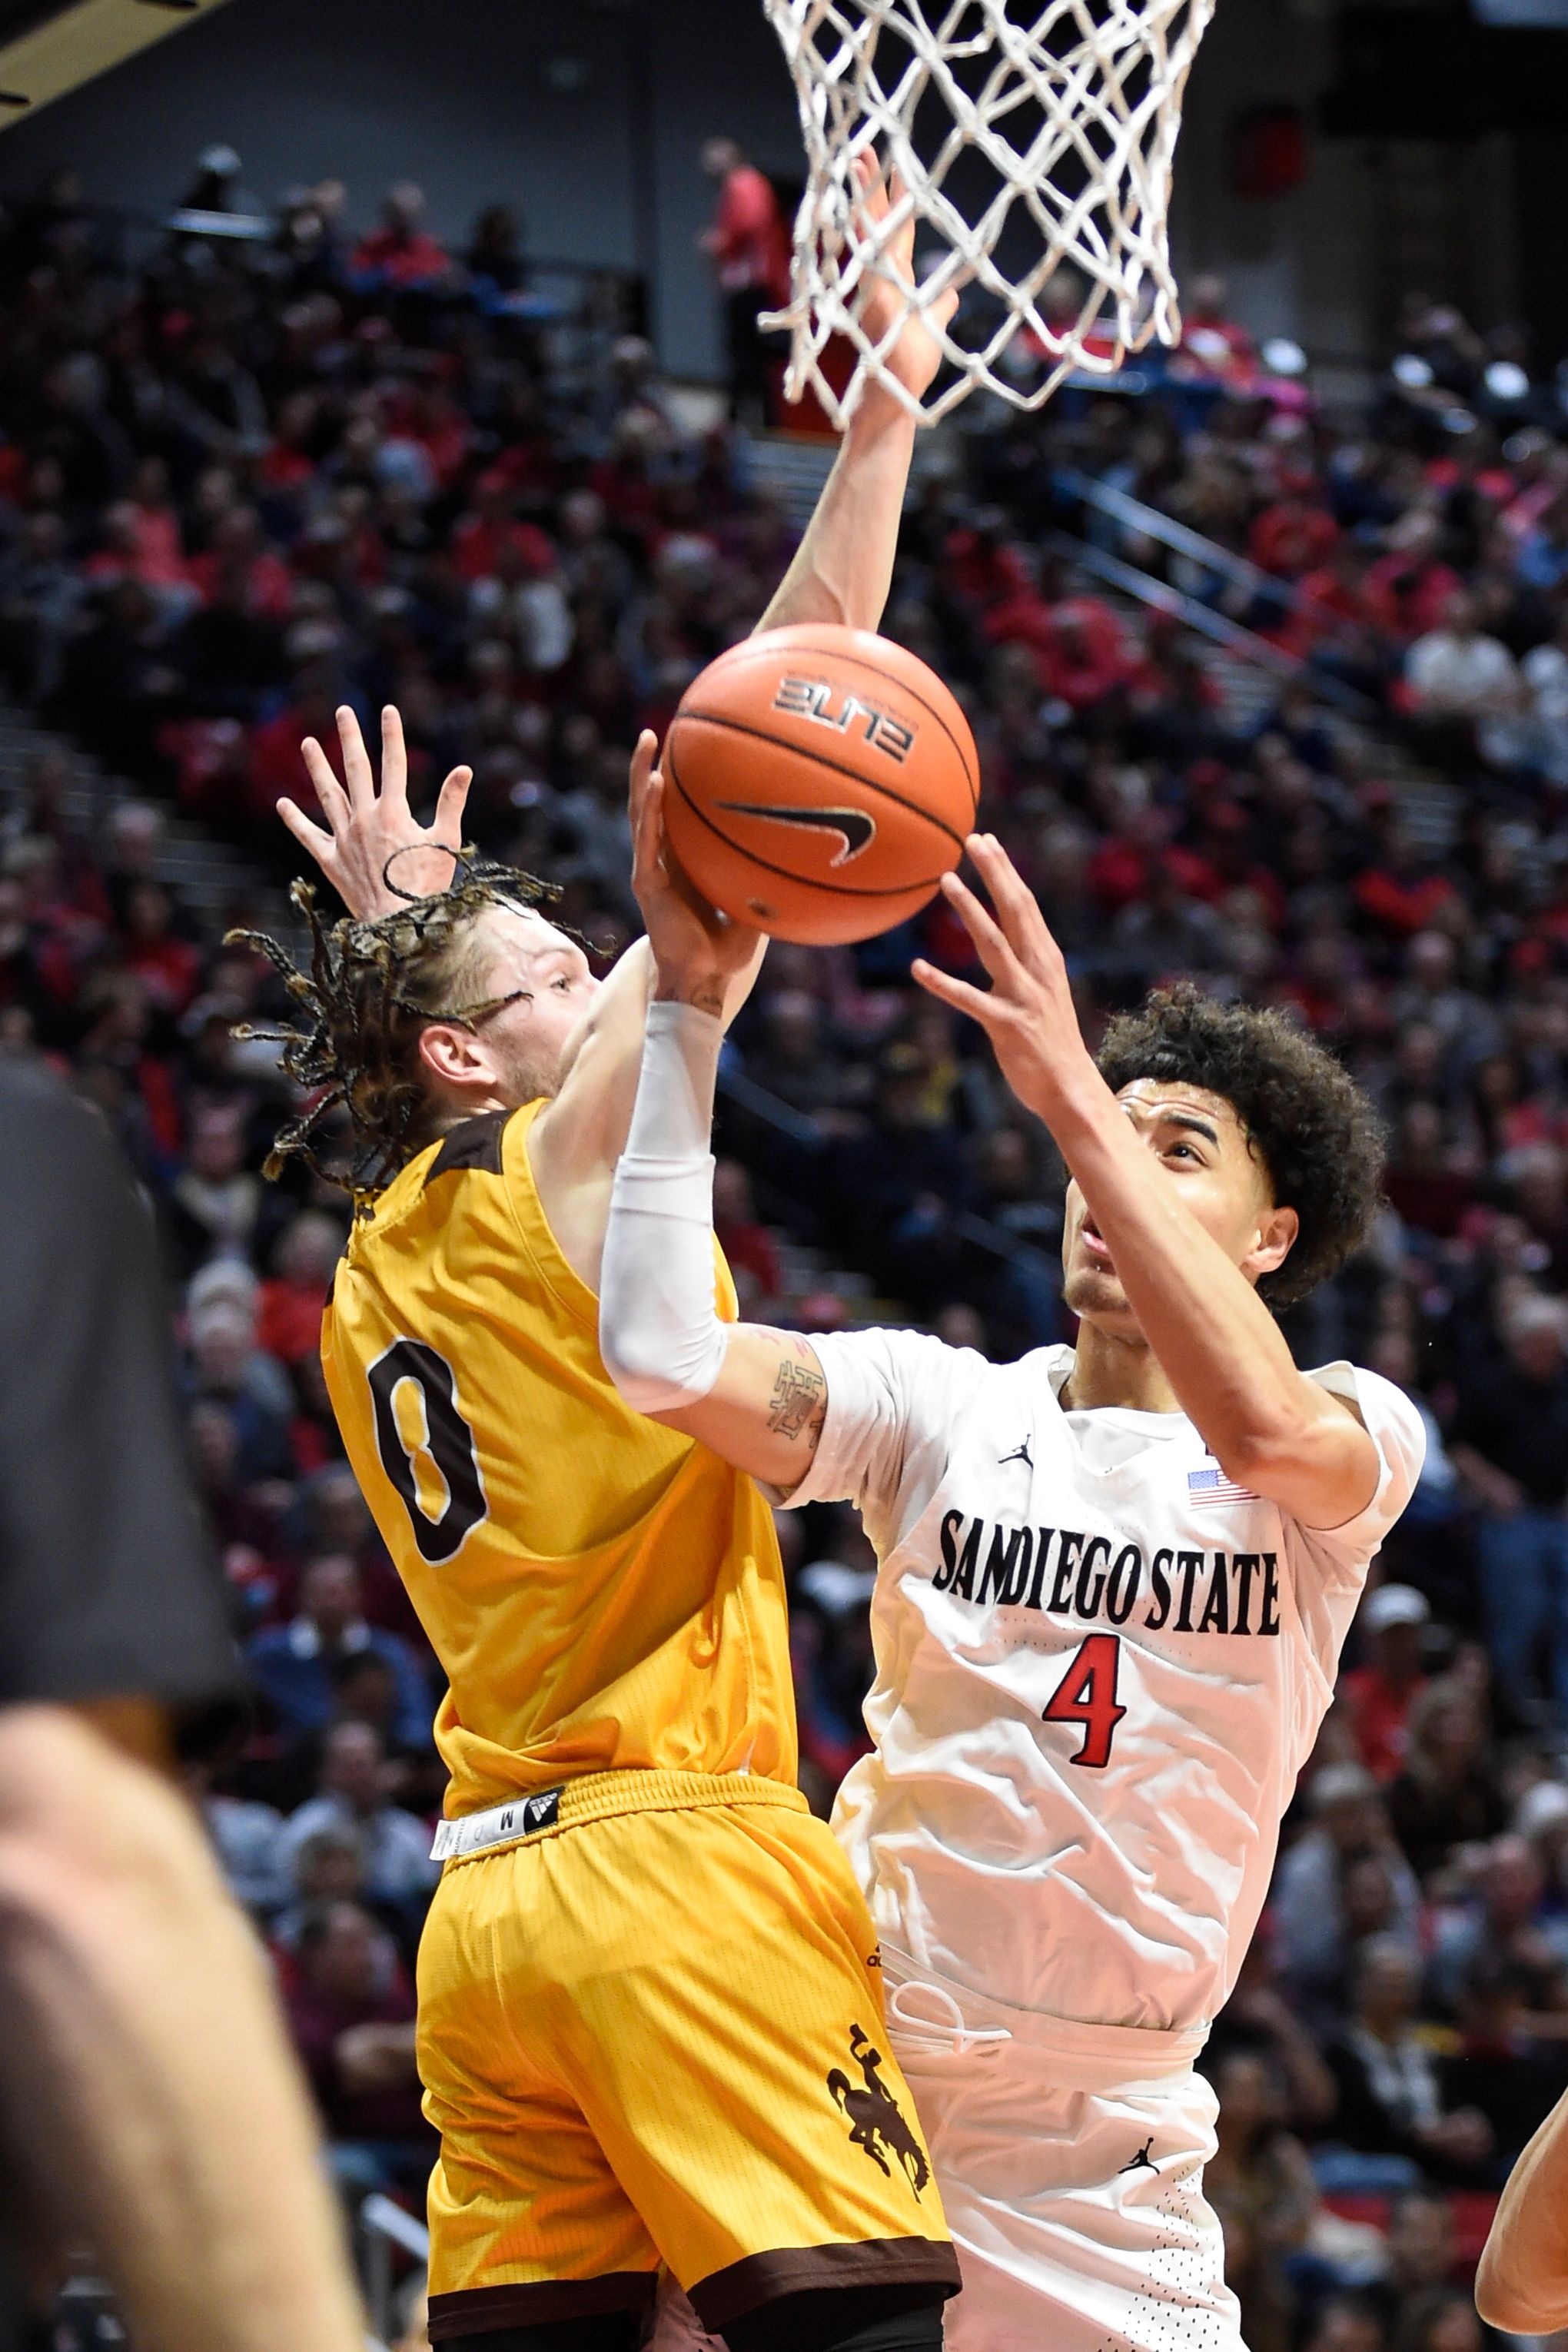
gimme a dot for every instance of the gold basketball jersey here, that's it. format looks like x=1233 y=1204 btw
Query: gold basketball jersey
x=601 y=1593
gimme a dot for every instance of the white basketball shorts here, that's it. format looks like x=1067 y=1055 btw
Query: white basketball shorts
x=1077 y=2212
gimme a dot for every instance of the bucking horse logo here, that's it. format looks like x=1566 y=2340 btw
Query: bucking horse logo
x=877 y=2122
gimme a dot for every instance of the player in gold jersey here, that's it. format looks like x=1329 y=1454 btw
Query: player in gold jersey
x=650 y=2025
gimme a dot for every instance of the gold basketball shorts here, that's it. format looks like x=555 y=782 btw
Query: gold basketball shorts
x=650 y=2031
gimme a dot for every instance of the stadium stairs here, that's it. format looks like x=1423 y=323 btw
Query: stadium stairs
x=208 y=876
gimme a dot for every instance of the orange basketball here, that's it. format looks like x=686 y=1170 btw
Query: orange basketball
x=818 y=782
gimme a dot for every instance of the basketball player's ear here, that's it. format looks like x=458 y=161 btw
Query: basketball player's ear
x=1277 y=1232
x=453 y=1053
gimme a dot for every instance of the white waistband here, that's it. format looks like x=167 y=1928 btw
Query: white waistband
x=497 y=1825
x=1084 y=2054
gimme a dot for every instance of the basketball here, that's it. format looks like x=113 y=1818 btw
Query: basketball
x=819 y=782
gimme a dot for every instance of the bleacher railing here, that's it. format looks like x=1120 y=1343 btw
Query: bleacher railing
x=1160 y=596
x=385 y=2230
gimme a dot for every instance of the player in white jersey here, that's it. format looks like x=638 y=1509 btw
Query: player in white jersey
x=1114 y=1581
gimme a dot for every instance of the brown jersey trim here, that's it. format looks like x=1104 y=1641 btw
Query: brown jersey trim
x=473 y=1143
x=757 y=2279
x=477 y=2310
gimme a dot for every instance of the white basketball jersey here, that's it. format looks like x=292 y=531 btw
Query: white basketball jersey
x=1101 y=1665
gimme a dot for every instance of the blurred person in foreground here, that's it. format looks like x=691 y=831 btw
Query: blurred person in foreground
x=1522 y=2284
x=148 y=2106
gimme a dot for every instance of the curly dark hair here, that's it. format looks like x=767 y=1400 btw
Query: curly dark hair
x=369 y=990
x=1303 y=1115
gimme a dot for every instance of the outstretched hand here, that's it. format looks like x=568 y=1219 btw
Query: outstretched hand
x=367 y=830
x=916 y=355
x=696 y=948
x=1029 y=1011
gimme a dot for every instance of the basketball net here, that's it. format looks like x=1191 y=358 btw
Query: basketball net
x=1049 y=123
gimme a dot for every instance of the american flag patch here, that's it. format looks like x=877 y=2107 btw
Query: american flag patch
x=1210 y=1485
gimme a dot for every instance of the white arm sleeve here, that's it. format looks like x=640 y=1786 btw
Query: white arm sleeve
x=662 y=1343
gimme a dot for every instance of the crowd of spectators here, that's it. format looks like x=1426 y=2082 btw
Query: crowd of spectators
x=241 y=483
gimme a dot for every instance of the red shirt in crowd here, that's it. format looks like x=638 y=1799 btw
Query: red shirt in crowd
x=751 y=243
x=317 y=2018
x=1080 y=656
x=1404 y=598
x=400 y=257
x=1291 y=537
x=480 y=539
x=289 y=1325
x=1378 y=1709
x=1404 y=904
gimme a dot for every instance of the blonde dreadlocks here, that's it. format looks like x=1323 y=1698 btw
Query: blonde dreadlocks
x=370 y=990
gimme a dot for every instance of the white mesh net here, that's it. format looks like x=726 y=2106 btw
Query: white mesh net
x=1034 y=141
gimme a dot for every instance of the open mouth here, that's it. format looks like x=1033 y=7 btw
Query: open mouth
x=1094 y=1246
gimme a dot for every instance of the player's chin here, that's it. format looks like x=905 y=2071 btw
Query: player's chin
x=1094 y=1293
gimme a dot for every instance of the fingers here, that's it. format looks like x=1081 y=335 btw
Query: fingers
x=1017 y=905
x=452 y=800
x=394 y=758
x=642 y=770
x=335 y=805
x=991 y=941
x=357 y=770
x=645 y=792
x=644 y=754
x=975 y=1002
x=314 y=837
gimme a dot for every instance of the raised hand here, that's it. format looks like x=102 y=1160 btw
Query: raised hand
x=1029 y=1011
x=696 y=948
x=916 y=356
x=369 y=832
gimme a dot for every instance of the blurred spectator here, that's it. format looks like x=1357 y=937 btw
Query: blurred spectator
x=247 y=1838
x=1261 y=2184
x=394 y=1846
x=1390 y=2101
x=1393 y=1619
x=1218 y=344
x=1350 y=1827
x=748 y=244
x=1345 y=2323
x=1258 y=2020
x=401 y=252
x=351 y=2010
x=215 y=1199
x=1443 y=2321
x=1454 y=671
x=1503 y=1916
x=1446 y=1790
x=1510 y=1441
x=293 y=1665
x=749 y=1249
x=1422 y=2255
x=307 y=1250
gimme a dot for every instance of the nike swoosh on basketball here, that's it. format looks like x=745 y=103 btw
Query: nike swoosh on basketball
x=854 y=828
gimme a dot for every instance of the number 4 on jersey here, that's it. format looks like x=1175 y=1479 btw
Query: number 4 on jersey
x=1086 y=1695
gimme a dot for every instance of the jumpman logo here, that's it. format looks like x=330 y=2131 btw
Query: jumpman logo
x=1141 y=2162
x=1019 y=1453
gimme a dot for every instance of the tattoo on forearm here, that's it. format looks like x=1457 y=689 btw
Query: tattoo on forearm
x=799 y=1401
